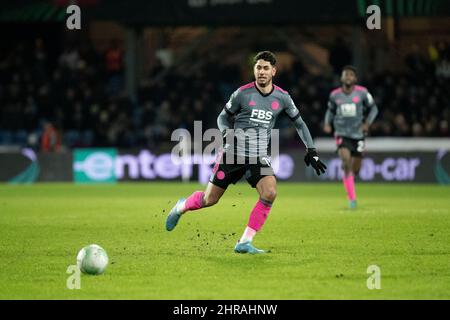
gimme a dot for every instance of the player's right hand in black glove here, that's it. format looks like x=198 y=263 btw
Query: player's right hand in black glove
x=312 y=158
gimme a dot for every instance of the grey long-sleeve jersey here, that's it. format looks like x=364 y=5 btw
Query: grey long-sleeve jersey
x=255 y=114
x=347 y=112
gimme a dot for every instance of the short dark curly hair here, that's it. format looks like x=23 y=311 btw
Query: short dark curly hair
x=266 y=56
x=350 y=68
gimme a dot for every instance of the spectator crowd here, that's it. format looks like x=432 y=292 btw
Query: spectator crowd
x=78 y=100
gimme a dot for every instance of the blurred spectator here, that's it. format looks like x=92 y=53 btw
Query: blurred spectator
x=51 y=138
x=433 y=53
x=69 y=58
x=443 y=69
x=114 y=58
x=114 y=66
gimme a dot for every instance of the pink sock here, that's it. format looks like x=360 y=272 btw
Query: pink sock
x=259 y=215
x=349 y=184
x=195 y=201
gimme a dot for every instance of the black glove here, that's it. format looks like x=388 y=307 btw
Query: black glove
x=312 y=158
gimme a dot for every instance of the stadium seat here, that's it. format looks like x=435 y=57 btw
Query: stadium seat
x=88 y=138
x=72 y=138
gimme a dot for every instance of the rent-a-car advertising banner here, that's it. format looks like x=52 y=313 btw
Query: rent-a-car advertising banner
x=138 y=165
x=112 y=165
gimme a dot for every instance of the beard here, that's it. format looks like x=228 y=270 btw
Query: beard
x=263 y=82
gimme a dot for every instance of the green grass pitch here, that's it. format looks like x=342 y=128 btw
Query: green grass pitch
x=319 y=248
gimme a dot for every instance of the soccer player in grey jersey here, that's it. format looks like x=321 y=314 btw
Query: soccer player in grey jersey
x=253 y=108
x=351 y=111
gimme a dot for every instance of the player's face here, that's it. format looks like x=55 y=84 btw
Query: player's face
x=264 y=72
x=348 y=78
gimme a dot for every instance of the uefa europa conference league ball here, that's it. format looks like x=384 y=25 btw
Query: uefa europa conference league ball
x=92 y=259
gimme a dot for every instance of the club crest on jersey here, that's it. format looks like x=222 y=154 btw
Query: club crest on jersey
x=261 y=116
x=348 y=109
x=275 y=105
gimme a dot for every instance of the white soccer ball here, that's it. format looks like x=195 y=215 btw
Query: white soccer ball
x=92 y=259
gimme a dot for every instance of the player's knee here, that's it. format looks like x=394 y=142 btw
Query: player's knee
x=210 y=200
x=356 y=168
x=269 y=195
x=346 y=166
